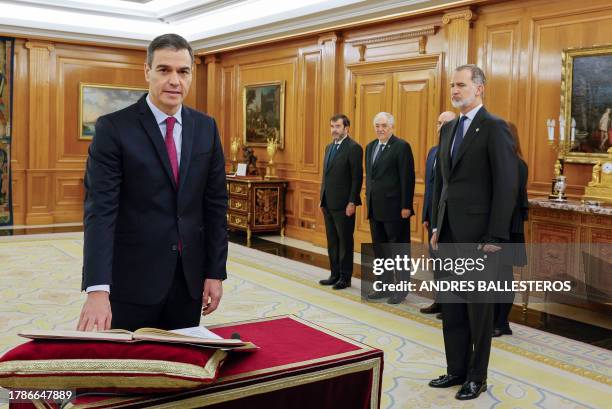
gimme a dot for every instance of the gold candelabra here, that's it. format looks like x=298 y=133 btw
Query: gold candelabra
x=562 y=144
x=271 y=148
x=234 y=148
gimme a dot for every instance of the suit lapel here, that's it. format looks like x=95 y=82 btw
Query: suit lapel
x=470 y=135
x=147 y=119
x=186 y=146
x=445 y=145
x=327 y=153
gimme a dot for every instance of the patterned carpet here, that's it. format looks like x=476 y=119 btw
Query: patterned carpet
x=40 y=281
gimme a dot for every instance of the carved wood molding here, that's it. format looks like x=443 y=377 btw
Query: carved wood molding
x=211 y=59
x=420 y=33
x=329 y=37
x=463 y=14
x=34 y=45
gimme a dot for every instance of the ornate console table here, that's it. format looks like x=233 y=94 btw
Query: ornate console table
x=572 y=241
x=256 y=205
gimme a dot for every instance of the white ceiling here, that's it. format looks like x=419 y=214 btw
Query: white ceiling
x=207 y=24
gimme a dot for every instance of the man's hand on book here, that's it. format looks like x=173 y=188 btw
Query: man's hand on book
x=213 y=291
x=96 y=312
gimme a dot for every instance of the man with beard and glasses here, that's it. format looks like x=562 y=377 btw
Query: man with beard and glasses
x=475 y=191
x=340 y=194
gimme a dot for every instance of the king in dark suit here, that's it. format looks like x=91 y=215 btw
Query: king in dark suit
x=389 y=195
x=340 y=194
x=155 y=206
x=475 y=191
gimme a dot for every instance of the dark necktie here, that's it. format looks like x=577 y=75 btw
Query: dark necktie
x=458 y=136
x=379 y=149
x=171 y=148
x=332 y=154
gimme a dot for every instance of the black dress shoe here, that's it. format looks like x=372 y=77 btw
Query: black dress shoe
x=439 y=316
x=432 y=309
x=471 y=390
x=329 y=281
x=341 y=284
x=498 y=332
x=396 y=298
x=446 y=381
x=377 y=295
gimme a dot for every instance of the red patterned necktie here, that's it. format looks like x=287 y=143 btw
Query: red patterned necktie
x=171 y=148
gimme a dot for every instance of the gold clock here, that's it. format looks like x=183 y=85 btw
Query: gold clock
x=600 y=186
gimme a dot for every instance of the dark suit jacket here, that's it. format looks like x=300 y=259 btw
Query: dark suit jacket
x=135 y=214
x=429 y=184
x=343 y=177
x=389 y=181
x=477 y=193
x=519 y=217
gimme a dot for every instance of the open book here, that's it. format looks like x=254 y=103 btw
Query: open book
x=195 y=336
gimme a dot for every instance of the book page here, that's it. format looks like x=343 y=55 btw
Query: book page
x=198 y=332
x=85 y=335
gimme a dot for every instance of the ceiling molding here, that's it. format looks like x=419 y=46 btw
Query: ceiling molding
x=293 y=23
x=327 y=21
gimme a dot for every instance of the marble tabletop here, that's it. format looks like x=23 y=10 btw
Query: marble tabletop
x=571 y=205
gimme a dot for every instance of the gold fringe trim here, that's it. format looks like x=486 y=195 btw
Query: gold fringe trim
x=103 y=373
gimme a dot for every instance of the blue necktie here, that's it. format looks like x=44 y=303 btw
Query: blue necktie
x=458 y=136
x=379 y=148
x=332 y=154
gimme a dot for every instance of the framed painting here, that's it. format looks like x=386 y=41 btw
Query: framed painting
x=586 y=102
x=96 y=100
x=264 y=113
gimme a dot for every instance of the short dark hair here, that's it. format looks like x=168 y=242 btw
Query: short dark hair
x=478 y=76
x=345 y=120
x=172 y=41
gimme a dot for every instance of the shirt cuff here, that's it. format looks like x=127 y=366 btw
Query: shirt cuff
x=435 y=229
x=101 y=287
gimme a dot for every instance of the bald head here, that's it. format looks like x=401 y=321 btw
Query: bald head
x=445 y=117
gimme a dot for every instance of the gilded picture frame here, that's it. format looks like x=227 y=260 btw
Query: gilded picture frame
x=96 y=100
x=586 y=97
x=263 y=112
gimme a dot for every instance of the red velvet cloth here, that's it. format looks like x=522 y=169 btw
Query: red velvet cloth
x=62 y=349
x=282 y=341
x=46 y=350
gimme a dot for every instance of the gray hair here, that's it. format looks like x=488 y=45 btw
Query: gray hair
x=386 y=115
x=478 y=76
x=171 y=41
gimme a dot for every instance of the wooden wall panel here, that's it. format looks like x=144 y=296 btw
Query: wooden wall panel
x=49 y=159
x=309 y=134
x=520 y=45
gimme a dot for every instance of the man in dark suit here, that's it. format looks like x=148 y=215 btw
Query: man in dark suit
x=430 y=165
x=340 y=194
x=155 y=206
x=475 y=192
x=389 y=194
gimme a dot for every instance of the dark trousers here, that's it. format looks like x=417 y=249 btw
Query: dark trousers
x=502 y=308
x=467 y=328
x=176 y=310
x=394 y=232
x=340 y=243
